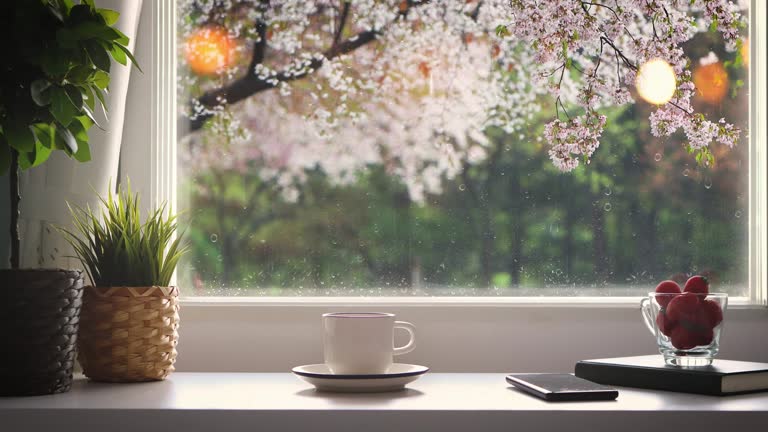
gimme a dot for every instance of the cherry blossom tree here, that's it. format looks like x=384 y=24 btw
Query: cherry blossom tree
x=412 y=85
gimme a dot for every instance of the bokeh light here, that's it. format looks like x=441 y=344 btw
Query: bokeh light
x=711 y=81
x=656 y=82
x=209 y=51
x=744 y=51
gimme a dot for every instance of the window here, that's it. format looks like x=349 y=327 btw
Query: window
x=406 y=148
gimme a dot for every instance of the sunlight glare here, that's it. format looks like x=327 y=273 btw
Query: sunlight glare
x=656 y=82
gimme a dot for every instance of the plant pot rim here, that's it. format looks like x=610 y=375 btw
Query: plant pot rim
x=48 y=270
x=134 y=291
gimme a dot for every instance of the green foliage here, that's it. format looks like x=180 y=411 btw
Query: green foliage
x=55 y=69
x=118 y=250
x=641 y=212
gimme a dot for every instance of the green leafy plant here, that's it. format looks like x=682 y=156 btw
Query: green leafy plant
x=117 y=249
x=54 y=74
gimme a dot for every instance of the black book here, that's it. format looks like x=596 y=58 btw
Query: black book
x=723 y=377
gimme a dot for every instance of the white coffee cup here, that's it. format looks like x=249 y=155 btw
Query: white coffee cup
x=362 y=343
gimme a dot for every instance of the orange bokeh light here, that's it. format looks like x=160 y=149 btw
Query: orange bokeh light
x=711 y=82
x=745 y=52
x=209 y=51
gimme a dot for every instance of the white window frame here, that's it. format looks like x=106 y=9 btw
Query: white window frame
x=495 y=333
x=160 y=184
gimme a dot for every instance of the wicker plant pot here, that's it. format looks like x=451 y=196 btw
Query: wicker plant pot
x=39 y=316
x=129 y=334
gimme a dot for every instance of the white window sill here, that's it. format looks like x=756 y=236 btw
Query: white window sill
x=543 y=301
x=453 y=334
x=193 y=402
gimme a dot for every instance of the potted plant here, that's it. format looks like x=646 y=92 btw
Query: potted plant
x=54 y=74
x=129 y=321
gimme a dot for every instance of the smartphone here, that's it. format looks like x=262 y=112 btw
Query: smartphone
x=555 y=387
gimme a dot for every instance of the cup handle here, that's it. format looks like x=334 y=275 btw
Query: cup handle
x=411 y=343
x=645 y=309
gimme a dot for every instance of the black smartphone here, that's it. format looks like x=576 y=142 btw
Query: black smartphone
x=557 y=387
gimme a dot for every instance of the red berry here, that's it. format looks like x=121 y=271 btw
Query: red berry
x=666 y=287
x=710 y=314
x=664 y=324
x=682 y=338
x=683 y=308
x=698 y=285
x=703 y=336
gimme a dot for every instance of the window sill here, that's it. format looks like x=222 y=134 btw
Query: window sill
x=446 y=402
x=453 y=334
x=496 y=302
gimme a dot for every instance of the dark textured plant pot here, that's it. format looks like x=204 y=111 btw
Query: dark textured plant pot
x=39 y=318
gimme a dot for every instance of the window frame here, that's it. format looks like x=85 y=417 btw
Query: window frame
x=158 y=85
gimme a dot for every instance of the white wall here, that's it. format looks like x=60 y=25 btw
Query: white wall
x=450 y=338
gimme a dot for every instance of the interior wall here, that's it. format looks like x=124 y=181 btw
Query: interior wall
x=449 y=338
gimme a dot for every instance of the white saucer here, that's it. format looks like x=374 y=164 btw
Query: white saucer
x=320 y=376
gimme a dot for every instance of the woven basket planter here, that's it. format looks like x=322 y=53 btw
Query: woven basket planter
x=129 y=334
x=39 y=316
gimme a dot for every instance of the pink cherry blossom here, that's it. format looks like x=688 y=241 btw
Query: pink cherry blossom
x=418 y=98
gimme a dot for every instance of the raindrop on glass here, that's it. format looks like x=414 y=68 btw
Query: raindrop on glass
x=462 y=187
x=214 y=237
x=607 y=207
x=686 y=172
x=657 y=157
x=708 y=183
x=608 y=191
x=738 y=213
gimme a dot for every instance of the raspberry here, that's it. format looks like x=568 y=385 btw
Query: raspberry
x=666 y=287
x=664 y=324
x=698 y=285
x=703 y=336
x=682 y=338
x=710 y=314
x=684 y=307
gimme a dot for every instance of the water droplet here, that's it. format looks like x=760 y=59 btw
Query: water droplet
x=608 y=192
x=214 y=237
x=686 y=172
x=708 y=183
x=607 y=207
x=657 y=157
x=738 y=213
x=462 y=187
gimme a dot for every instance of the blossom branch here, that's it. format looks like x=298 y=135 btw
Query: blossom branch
x=251 y=84
x=342 y=22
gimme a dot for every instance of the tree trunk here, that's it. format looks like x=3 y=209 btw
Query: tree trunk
x=650 y=246
x=15 y=197
x=486 y=245
x=599 y=249
x=517 y=251
x=568 y=256
x=227 y=259
x=518 y=231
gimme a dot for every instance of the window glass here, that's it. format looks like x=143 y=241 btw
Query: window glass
x=462 y=147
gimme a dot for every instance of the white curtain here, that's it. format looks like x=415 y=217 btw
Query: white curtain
x=47 y=189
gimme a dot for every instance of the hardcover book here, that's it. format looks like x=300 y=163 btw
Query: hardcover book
x=723 y=377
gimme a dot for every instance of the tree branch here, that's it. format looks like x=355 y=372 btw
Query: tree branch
x=251 y=84
x=342 y=23
x=260 y=47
